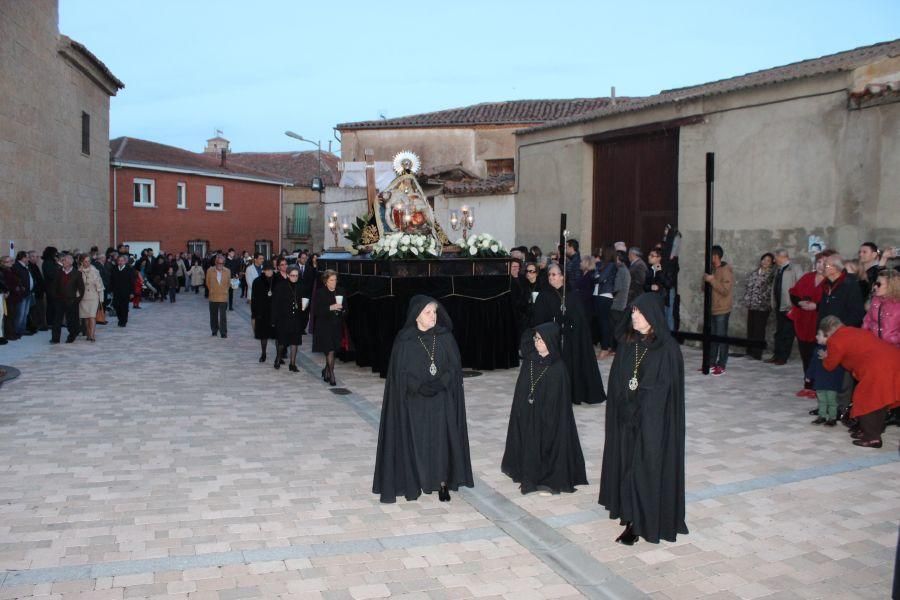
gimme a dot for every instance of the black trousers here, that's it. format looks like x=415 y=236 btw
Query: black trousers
x=603 y=307
x=120 y=305
x=756 y=330
x=218 y=317
x=69 y=312
x=872 y=424
x=230 y=298
x=784 y=335
x=806 y=354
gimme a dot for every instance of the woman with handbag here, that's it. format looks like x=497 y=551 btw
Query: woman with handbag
x=90 y=304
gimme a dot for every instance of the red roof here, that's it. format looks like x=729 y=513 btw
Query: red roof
x=151 y=154
x=512 y=112
x=298 y=167
x=499 y=184
x=833 y=63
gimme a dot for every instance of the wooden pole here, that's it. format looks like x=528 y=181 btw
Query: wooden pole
x=707 y=268
x=371 y=190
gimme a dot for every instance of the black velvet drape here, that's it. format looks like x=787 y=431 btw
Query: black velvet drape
x=481 y=308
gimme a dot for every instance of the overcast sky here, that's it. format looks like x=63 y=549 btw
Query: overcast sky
x=256 y=68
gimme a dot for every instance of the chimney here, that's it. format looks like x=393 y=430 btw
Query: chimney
x=224 y=153
x=612 y=95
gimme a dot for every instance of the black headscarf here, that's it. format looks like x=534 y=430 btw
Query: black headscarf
x=651 y=306
x=550 y=334
x=417 y=304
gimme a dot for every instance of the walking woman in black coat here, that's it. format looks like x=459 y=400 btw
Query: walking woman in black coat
x=642 y=481
x=287 y=316
x=261 y=308
x=328 y=320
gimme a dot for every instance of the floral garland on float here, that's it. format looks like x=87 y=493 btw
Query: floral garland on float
x=483 y=245
x=405 y=246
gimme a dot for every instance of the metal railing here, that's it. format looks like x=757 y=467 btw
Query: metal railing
x=298 y=227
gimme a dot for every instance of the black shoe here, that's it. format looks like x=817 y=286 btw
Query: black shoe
x=830 y=422
x=819 y=421
x=215 y=333
x=444 y=494
x=3 y=341
x=70 y=339
x=868 y=443
x=331 y=381
x=814 y=411
x=224 y=335
x=28 y=333
x=43 y=329
x=277 y=363
x=262 y=357
x=54 y=340
x=324 y=378
x=293 y=368
x=627 y=537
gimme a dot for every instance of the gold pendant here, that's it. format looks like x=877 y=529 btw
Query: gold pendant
x=633 y=384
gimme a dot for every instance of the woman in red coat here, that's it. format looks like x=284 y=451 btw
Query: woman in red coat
x=876 y=366
x=806 y=294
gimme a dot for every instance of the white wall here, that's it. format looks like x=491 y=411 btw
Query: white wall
x=494 y=214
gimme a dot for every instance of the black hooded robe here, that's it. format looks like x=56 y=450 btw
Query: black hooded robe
x=261 y=307
x=577 y=345
x=642 y=481
x=423 y=438
x=543 y=451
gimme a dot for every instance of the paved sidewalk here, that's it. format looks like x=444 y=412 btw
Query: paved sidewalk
x=163 y=462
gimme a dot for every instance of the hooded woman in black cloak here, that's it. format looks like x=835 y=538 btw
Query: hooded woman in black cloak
x=642 y=482
x=423 y=440
x=577 y=345
x=542 y=447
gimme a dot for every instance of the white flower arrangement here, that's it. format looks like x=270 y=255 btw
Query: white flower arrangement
x=483 y=245
x=400 y=246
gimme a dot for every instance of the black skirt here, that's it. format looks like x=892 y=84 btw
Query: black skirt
x=327 y=324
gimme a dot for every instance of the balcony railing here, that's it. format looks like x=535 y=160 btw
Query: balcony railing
x=298 y=228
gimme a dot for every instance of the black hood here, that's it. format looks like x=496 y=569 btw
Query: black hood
x=651 y=306
x=551 y=336
x=418 y=303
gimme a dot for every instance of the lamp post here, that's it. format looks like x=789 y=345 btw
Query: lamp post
x=317 y=184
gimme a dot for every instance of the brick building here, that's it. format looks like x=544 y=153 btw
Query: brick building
x=171 y=199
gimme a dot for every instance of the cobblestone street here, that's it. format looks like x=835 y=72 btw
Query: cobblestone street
x=162 y=462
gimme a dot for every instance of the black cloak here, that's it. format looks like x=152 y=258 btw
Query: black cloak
x=642 y=481
x=261 y=307
x=287 y=314
x=577 y=344
x=423 y=439
x=542 y=447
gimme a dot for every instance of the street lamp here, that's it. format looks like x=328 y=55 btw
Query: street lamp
x=317 y=184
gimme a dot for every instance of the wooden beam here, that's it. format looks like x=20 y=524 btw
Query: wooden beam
x=644 y=129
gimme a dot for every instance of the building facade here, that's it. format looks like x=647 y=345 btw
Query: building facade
x=54 y=133
x=805 y=149
x=174 y=200
x=303 y=217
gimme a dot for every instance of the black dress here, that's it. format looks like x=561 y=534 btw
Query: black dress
x=261 y=307
x=327 y=324
x=577 y=345
x=423 y=438
x=287 y=315
x=642 y=481
x=543 y=451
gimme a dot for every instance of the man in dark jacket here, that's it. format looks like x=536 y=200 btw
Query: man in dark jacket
x=26 y=281
x=38 y=315
x=233 y=264
x=68 y=290
x=121 y=284
x=638 y=269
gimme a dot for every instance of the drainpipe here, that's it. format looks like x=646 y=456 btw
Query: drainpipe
x=280 y=218
x=115 y=207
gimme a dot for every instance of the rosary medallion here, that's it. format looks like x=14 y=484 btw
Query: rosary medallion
x=530 y=399
x=432 y=369
x=270 y=293
x=633 y=384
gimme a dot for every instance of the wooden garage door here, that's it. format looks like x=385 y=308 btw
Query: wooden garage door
x=635 y=188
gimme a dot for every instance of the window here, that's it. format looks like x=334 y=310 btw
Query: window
x=181 y=194
x=264 y=247
x=144 y=192
x=85 y=133
x=215 y=197
x=299 y=223
x=197 y=247
x=500 y=166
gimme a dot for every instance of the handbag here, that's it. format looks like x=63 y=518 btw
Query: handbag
x=101 y=315
x=235 y=283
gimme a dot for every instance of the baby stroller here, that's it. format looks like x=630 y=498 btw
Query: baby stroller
x=148 y=292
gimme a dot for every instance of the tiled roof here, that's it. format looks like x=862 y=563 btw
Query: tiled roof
x=833 y=63
x=299 y=167
x=512 y=112
x=92 y=58
x=151 y=154
x=499 y=184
